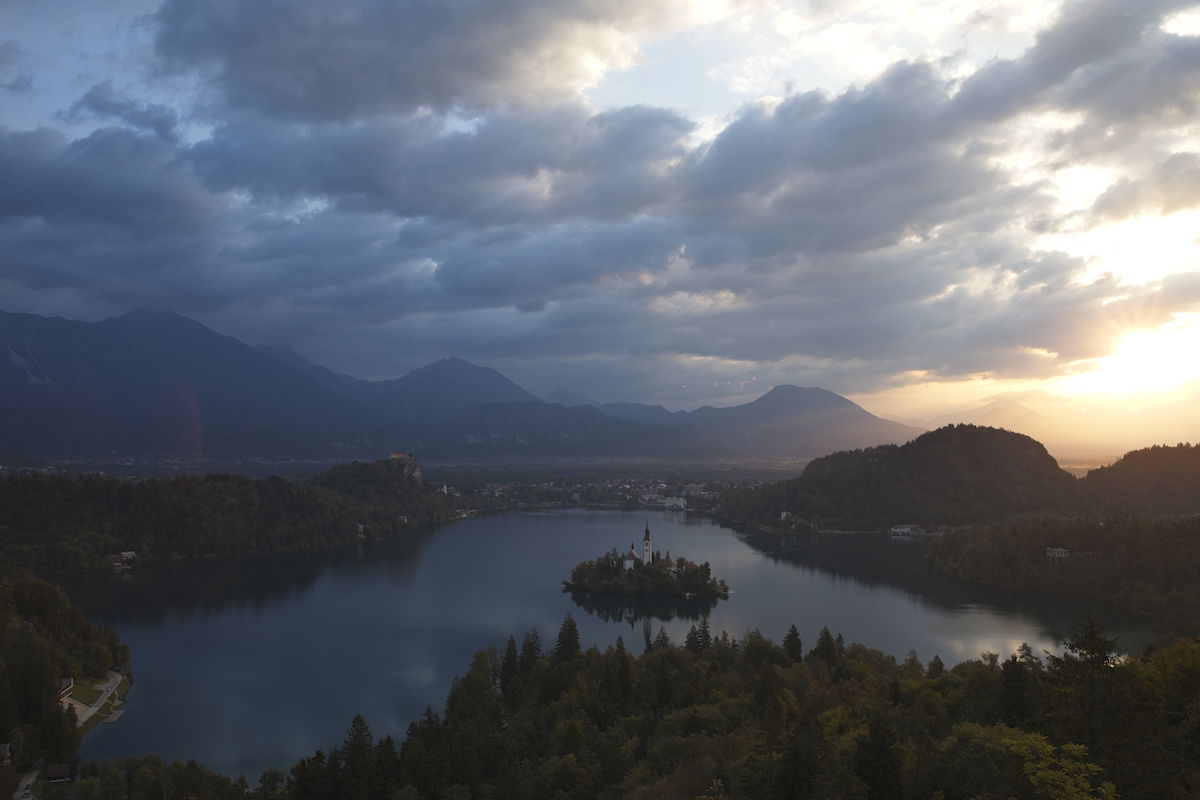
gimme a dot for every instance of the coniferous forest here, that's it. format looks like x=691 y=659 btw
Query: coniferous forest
x=719 y=717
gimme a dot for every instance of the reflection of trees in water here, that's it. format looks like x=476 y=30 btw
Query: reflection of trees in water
x=635 y=608
x=204 y=587
x=874 y=560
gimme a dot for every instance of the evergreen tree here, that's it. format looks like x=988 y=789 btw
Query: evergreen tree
x=531 y=651
x=508 y=667
x=936 y=667
x=826 y=651
x=567 y=646
x=792 y=644
x=662 y=640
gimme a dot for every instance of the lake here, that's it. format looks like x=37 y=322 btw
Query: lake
x=252 y=664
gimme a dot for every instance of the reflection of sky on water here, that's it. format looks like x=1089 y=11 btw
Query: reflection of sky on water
x=254 y=664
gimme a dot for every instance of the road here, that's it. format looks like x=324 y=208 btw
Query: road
x=84 y=713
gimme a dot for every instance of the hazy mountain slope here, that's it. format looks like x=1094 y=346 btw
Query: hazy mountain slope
x=154 y=382
x=790 y=422
x=158 y=384
x=565 y=397
x=434 y=391
x=344 y=384
x=640 y=412
x=498 y=429
x=440 y=389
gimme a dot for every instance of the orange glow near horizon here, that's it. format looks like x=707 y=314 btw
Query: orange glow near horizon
x=1144 y=363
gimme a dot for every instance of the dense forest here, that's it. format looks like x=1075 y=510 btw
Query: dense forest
x=964 y=474
x=661 y=577
x=745 y=718
x=43 y=639
x=1144 y=564
x=56 y=524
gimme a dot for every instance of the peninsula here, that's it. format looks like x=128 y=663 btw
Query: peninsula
x=649 y=574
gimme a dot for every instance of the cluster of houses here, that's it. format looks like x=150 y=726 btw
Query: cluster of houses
x=1057 y=555
x=123 y=561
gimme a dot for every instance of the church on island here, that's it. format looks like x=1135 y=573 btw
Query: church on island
x=648 y=573
x=648 y=555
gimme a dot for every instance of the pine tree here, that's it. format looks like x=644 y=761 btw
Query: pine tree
x=705 y=634
x=531 y=651
x=792 y=644
x=567 y=646
x=936 y=667
x=662 y=640
x=508 y=667
x=826 y=651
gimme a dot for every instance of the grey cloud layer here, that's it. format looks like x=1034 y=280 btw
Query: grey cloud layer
x=837 y=241
x=311 y=59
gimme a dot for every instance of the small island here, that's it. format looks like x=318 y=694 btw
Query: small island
x=651 y=574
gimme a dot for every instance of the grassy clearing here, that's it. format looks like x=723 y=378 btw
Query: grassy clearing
x=116 y=698
x=86 y=693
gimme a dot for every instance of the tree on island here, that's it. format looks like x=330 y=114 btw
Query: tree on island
x=661 y=576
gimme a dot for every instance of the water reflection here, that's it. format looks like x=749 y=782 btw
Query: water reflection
x=254 y=663
x=877 y=561
x=632 y=609
x=203 y=588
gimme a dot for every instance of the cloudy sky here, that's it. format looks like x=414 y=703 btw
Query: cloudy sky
x=923 y=204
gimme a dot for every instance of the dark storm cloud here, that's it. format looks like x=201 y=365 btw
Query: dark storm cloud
x=329 y=203
x=113 y=180
x=104 y=102
x=317 y=60
x=550 y=164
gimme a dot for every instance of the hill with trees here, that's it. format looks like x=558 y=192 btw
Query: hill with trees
x=954 y=475
x=60 y=524
x=1153 y=480
x=1147 y=565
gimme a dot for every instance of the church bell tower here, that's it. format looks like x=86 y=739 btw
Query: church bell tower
x=647 y=546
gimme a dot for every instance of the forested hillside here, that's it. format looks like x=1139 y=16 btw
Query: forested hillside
x=956 y=474
x=1154 y=480
x=1148 y=565
x=43 y=638
x=746 y=718
x=964 y=474
x=57 y=524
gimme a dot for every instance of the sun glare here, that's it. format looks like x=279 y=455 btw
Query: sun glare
x=1145 y=362
x=1137 y=250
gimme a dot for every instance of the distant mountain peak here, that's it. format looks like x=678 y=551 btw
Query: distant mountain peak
x=569 y=399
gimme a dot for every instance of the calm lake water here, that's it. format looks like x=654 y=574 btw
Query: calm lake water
x=253 y=664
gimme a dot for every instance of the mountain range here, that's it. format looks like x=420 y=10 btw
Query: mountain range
x=156 y=384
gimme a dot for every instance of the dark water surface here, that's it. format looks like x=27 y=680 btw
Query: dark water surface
x=253 y=664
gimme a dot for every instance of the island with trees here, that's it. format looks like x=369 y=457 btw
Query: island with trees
x=649 y=574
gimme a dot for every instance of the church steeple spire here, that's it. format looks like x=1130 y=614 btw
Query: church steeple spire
x=647 y=546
